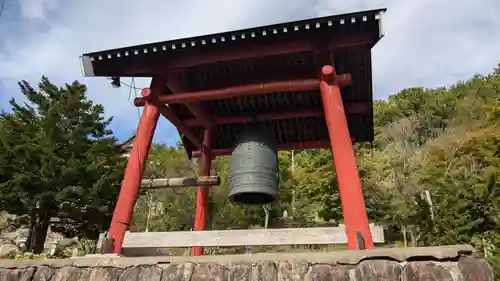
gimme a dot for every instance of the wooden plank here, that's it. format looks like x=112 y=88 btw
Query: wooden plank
x=246 y=237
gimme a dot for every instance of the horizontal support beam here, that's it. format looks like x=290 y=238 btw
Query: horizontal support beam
x=180 y=182
x=284 y=146
x=243 y=237
x=236 y=91
x=350 y=108
x=260 y=117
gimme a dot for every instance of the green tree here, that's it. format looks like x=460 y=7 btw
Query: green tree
x=170 y=209
x=59 y=159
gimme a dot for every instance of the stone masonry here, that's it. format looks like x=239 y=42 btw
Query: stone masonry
x=453 y=263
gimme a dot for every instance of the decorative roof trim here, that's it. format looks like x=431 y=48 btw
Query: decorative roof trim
x=220 y=38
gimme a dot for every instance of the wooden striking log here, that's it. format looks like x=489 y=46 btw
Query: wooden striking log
x=180 y=182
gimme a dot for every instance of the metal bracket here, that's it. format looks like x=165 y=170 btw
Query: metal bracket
x=361 y=241
x=107 y=244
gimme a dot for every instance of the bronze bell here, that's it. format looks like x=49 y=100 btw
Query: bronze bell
x=253 y=169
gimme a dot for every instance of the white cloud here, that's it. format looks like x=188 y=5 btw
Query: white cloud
x=37 y=9
x=427 y=43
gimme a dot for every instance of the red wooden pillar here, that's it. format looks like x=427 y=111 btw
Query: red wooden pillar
x=351 y=194
x=133 y=174
x=200 y=219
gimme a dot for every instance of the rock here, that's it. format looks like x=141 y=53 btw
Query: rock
x=292 y=271
x=71 y=274
x=475 y=269
x=178 y=272
x=9 y=275
x=327 y=273
x=150 y=273
x=374 y=270
x=130 y=274
x=105 y=274
x=264 y=271
x=43 y=273
x=26 y=274
x=320 y=273
x=210 y=272
x=240 y=272
x=426 y=271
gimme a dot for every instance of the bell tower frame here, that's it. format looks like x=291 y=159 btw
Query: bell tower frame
x=308 y=81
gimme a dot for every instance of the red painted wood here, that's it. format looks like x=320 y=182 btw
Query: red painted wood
x=129 y=191
x=350 y=190
x=200 y=219
x=231 y=92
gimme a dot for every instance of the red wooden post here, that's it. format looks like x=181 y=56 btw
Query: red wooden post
x=133 y=174
x=351 y=194
x=200 y=219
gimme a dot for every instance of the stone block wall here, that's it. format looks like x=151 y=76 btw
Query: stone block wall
x=410 y=264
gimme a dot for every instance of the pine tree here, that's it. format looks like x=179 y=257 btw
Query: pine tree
x=59 y=159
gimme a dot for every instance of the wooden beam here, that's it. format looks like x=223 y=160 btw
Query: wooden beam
x=180 y=182
x=265 y=116
x=242 y=237
x=237 y=91
x=282 y=146
x=196 y=108
x=350 y=108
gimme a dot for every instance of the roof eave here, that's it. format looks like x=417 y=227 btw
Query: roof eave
x=87 y=59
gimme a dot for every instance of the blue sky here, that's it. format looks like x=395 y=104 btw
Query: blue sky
x=427 y=43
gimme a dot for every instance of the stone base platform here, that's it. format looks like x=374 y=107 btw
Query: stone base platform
x=449 y=263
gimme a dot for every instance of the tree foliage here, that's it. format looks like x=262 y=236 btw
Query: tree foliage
x=59 y=160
